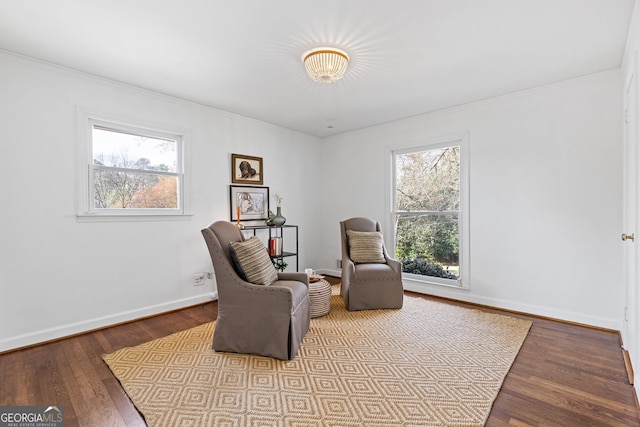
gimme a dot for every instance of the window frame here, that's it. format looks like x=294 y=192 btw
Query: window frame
x=461 y=140
x=86 y=209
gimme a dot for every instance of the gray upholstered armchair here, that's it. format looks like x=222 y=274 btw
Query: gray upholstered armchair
x=370 y=278
x=268 y=320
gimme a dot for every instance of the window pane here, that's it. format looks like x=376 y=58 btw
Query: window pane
x=134 y=190
x=428 y=245
x=123 y=150
x=428 y=180
x=428 y=211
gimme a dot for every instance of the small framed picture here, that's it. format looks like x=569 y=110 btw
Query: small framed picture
x=249 y=203
x=246 y=169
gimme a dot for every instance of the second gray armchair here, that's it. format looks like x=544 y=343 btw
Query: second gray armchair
x=371 y=279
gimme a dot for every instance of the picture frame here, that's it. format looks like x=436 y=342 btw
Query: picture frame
x=246 y=169
x=248 y=203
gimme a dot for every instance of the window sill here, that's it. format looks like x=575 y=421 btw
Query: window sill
x=87 y=217
x=433 y=281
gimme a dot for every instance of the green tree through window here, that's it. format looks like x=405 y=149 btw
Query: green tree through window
x=427 y=211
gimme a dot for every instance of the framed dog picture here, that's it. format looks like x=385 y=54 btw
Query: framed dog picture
x=246 y=169
x=248 y=203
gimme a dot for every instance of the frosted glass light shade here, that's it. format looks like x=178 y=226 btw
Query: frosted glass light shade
x=325 y=64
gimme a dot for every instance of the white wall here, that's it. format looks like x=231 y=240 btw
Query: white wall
x=545 y=195
x=60 y=275
x=545 y=200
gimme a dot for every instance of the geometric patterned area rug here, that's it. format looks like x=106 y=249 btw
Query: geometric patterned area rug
x=427 y=364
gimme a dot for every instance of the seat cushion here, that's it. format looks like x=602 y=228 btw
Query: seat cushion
x=374 y=272
x=252 y=258
x=366 y=246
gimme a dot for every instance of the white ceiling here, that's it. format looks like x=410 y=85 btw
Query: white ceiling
x=408 y=57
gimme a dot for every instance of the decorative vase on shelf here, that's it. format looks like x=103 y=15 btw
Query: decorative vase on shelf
x=269 y=220
x=278 y=220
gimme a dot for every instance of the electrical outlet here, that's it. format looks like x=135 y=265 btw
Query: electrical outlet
x=198 y=279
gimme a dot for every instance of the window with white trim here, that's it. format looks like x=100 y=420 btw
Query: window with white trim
x=430 y=211
x=134 y=170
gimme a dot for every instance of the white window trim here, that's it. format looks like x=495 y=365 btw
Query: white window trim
x=461 y=139
x=85 y=211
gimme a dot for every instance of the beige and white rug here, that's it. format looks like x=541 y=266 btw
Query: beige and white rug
x=428 y=364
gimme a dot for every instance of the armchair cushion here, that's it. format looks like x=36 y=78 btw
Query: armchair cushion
x=366 y=247
x=253 y=260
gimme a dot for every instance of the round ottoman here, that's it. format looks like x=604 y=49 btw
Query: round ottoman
x=320 y=298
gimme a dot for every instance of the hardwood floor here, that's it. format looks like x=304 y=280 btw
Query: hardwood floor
x=565 y=375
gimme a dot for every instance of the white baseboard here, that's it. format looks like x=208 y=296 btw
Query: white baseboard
x=466 y=296
x=49 y=334
x=330 y=272
x=62 y=331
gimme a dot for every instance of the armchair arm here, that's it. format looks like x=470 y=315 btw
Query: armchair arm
x=395 y=265
x=348 y=270
x=297 y=276
x=242 y=293
x=392 y=262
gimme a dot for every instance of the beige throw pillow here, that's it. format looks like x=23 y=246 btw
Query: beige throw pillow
x=254 y=261
x=365 y=246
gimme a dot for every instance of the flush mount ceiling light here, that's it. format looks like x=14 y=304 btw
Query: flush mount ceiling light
x=325 y=64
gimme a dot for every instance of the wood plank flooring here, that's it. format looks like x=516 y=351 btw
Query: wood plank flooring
x=565 y=375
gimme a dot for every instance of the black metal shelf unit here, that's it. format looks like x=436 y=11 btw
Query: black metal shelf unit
x=278 y=231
